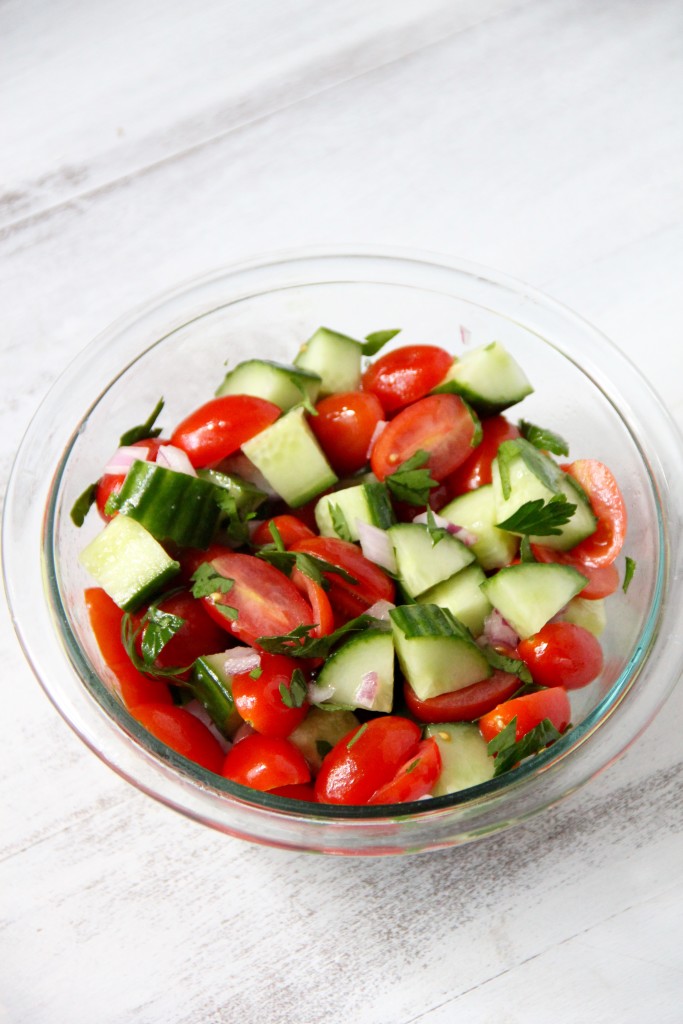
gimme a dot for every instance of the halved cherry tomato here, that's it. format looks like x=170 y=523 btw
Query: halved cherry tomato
x=221 y=426
x=199 y=634
x=105 y=621
x=476 y=469
x=182 y=732
x=289 y=527
x=603 y=580
x=267 y=602
x=349 y=599
x=442 y=425
x=406 y=374
x=607 y=502
x=529 y=710
x=318 y=600
x=462 y=705
x=414 y=779
x=344 y=426
x=562 y=654
x=259 y=701
x=265 y=763
x=366 y=759
x=111 y=483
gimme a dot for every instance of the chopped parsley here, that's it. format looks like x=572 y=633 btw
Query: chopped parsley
x=540 y=518
x=294 y=695
x=542 y=438
x=206 y=580
x=377 y=340
x=629 y=570
x=339 y=522
x=508 y=751
x=412 y=482
x=144 y=430
x=82 y=504
x=356 y=736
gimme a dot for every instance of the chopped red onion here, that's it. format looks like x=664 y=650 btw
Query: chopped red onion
x=376 y=546
x=380 y=610
x=176 y=459
x=239 y=660
x=379 y=428
x=244 y=730
x=365 y=695
x=460 y=532
x=319 y=694
x=465 y=334
x=244 y=467
x=200 y=712
x=123 y=458
x=497 y=631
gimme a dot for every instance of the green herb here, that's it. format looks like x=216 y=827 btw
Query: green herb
x=305 y=402
x=629 y=570
x=256 y=673
x=310 y=565
x=329 y=706
x=356 y=736
x=515 y=666
x=437 y=533
x=413 y=765
x=159 y=629
x=508 y=751
x=377 y=340
x=323 y=748
x=411 y=482
x=145 y=430
x=82 y=504
x=525 y=552
x=339 y=523
x=299 y=643
x=207 y=581
x=235 y=524
x=227 y=610
x=544 y=439
x=540 y=518
x=294 y=695
x=277 y=536
x=540 y=465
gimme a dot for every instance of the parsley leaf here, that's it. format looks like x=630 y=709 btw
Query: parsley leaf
x=82 y=504
x=437 y=533
x=540 y=518
x=160 y=627
x=235 y=525
x=145 y=430
x=299 y=643
x=206 y=581
x=310 y=565
x=540 y=465
x=227 y=610
x=377 y=340
x=629 y=570
x=542 y=438
x=357 y=735
x=515 y=666
x=411 y=482
x=508 y=751
x=294 y=695
x=323 y=748
x=256 y=673
x=339 y=523
x=525 y=552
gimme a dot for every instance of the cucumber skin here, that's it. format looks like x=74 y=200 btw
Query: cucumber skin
x=213 y=689
x=170 y=505
x=284 y=385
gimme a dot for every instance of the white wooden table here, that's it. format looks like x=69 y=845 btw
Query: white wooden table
x=142 y=144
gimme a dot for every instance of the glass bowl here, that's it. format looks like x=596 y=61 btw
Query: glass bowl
x=177 y=346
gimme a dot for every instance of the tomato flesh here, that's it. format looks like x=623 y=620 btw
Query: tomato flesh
x=562 y=654
x=366 y=759
x=344 y=426
x=400 y=377
x=529 y=710
x=476 y=469
x=607 y=502
x=259 y=700
x=349 y=599
x=289 y=527
x=219 y=427
x=416 y=778
x=265 y=763
x=462 y=705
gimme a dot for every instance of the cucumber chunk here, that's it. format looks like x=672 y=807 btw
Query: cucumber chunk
x=590 y=614
x=247 y=496
x=529 y=594
x=338 y=514
x=489 y=378
x=465 y=760
x=344 y=670
x=463 y=597
x=423 y=563
x=276 y=382
x=335 y=358
x=476 y=511
x=212 y=687
x=319 y=731
x=128 y=563
x=170 y=505
x=437 y=654
x=290 y=459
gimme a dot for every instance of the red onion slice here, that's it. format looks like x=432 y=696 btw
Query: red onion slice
x=376 y=545
x=200 y=712
x=465 y=334
x=379 y=428
x=466 y=536
x=123 y=458
x=319 y=694
x=498 y=632
x=176 y=459
x=244 y=730
x=365 y=695
x=380 y=610
x=239 y=660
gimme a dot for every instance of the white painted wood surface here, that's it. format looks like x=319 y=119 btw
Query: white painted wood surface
x=144 y=144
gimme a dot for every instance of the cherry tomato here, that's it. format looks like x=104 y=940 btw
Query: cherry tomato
x=105 y=622
x=476 y=469
x=302 y=791
x=442 y=425
x=603 y=580
x=530 y=710
x=289 y=527
x=344 y=427
x=318 y=600
x=221 y=426
x=266 y=762
x=259 y=701
x=182 y=732
x=562 y=654
x=366 y=759
x=406 y=374
x=198 y=635
x=414 y=779
x=111 y=483
x=462 y=705
x=603 y=546
x=349 y=599
x=267 y=602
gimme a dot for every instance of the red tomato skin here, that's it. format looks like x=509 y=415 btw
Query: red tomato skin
x=259 y=701
x=403 y=376
x=105 y=621
x=357 y=767
x=603 y=580
x=266 y=763
x=289 y=527
x=302 y=791
x=111 y=483
x=349 y=599
x=318 y=600
x=182 y=732
x=199 y=635
x=476 y=469
x=442 y=425
x=530 y=710
x=416 y=778
x=344 y=426
x=464 y=705
x=562 y=654
x=607 y=502
x=221 y=426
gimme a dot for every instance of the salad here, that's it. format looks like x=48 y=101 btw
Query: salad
x=354 y=579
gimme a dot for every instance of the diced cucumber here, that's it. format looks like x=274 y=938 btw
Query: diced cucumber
x=337 y=514
x=529 y=594
x=421 y=562
x=320 y=731
x=465 y=760
x=212 y=687
x=463 y=597
x=437 y=654
x=489 y=378
x=335 y=358
x=276 y=382
x=345 y=669
x=527 y=474
x=587 y=613
x=170 y=505
x=476 y=511
x=290 y=458
x=247 y=496
x=128 y=563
